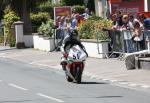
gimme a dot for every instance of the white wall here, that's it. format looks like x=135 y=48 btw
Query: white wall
x=43 y=44
x=19 y=33
x=94 y=51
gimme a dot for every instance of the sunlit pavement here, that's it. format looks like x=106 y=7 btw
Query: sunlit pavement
x=110 y=70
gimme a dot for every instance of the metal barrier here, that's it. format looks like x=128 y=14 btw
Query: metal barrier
x=147 y=39
x=121 y=41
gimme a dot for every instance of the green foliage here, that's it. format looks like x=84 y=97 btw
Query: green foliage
x=46 y=29
x=1 y=38
x=72 y=2
x=9 y=18
x=38 y=18
x=46 y=7
x=102 y=35
x=93 y=29
x=1 y=35
x=94 y=17
x=85 y=29
x=11 y=40
x=79 y=9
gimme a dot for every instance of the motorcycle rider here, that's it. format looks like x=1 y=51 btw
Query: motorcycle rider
x=70 y=40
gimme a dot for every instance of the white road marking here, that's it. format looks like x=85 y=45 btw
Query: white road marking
x=114 y=80
x=2 y=55
x=133 y=85
x=18 y=87
x=123 y=83
x=104 y=79
x=145 y=86
x=0 y=80
x=48 y=97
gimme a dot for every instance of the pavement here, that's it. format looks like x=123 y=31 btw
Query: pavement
x=110 y=70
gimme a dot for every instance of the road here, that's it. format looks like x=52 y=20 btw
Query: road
x=25 y=83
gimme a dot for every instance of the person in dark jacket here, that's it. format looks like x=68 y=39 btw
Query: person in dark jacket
x=68 y=42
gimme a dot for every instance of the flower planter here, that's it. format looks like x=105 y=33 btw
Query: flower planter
x=43 y=43
x=96 y=49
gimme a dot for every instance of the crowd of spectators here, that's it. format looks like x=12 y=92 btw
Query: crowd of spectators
x=135 y=23
x=67 y=23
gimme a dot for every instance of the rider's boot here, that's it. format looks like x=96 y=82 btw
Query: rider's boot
x=63 y=63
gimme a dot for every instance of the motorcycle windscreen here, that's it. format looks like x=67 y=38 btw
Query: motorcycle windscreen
x=76 y=54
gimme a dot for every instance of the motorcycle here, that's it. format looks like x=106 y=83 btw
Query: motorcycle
x=74 y=65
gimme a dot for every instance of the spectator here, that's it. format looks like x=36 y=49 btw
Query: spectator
x=67 y=26
x=86 y=14
x=119 y=18
x=114 y=21
x=114 y=18
x=147 y=23
x=125 y=22
x=57 y=21
x=141 y=18
x=132 y=19
x=138 y=36
x=74 y=22
x=61 y=27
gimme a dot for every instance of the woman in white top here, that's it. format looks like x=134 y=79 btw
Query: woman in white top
x=138 y=36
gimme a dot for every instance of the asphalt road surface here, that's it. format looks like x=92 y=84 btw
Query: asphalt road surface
x=25 y=83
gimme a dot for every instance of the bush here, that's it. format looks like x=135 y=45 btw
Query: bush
x=12 y=40
x=85 y=29
x=46 y=29
x=1 y=39
x=93 y=29
x=47 y=7
x=9 y=18
x=93 y=17
x=72 y=2
x=79 y=9
x=38 y=18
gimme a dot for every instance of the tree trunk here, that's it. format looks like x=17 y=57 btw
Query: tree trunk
x=25 y=17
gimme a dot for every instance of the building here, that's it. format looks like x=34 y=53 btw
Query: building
x=105 y=7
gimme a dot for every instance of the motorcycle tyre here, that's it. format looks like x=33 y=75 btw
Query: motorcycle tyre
x=79 y=77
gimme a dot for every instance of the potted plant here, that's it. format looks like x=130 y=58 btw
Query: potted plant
x=44 y=40
x=94 y=38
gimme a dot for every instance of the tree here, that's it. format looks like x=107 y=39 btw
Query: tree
x=72 y=2
x=22 y=8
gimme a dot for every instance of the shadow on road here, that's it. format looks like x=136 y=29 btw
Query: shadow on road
x=93 y=83
x=110 y=97
x=7 y=49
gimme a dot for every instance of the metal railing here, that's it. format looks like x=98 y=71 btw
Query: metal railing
x=122 y=42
